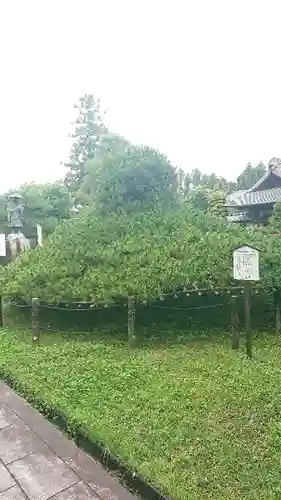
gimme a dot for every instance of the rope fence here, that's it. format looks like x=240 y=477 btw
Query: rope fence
x=231 y=310
x=176 y=294
x=13 y=304
x=194 y=308
x=65 y=308
x=84 y=309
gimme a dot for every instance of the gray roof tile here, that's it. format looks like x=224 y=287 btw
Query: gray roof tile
x=248 y=198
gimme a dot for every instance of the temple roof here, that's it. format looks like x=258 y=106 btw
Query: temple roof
x=274 y=169
x=249 y=197
x=266 y=191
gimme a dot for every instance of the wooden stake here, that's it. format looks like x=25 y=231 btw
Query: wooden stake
x=278 y=320
x=277 y=310
x=248 y=330
x=35 y=326
x=234 y=322
x=2 y=312
x=131 y=321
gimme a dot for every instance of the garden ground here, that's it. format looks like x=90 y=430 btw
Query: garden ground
x=194 y=418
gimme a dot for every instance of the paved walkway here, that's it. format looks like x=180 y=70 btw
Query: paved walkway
x=37 y=462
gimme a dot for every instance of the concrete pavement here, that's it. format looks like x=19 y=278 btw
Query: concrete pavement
x=37 y=462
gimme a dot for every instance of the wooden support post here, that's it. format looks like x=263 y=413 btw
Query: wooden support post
x=132 y=321
x=234 y=323
x=278 y=319
x=2 y=312
x=35 y=326
x=277 y=297
x=248 y=330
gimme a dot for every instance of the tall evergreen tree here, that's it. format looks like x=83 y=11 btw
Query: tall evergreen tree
x=250 y=175
x=89 y=128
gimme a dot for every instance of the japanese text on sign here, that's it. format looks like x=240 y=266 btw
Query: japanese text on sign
x=246 y=264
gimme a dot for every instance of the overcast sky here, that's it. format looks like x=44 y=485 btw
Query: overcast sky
x=199 y=80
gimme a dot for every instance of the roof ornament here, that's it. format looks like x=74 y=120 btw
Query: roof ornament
x=273 y=163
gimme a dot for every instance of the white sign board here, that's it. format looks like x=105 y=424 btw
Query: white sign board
x=246 y=264
x=2 y=245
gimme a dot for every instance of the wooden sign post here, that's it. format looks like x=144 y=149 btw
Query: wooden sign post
x=132 y=321
x=248 y=329
x=234 y=323
x=246 y=268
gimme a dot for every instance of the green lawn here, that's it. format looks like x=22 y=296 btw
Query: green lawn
x=197 y=420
